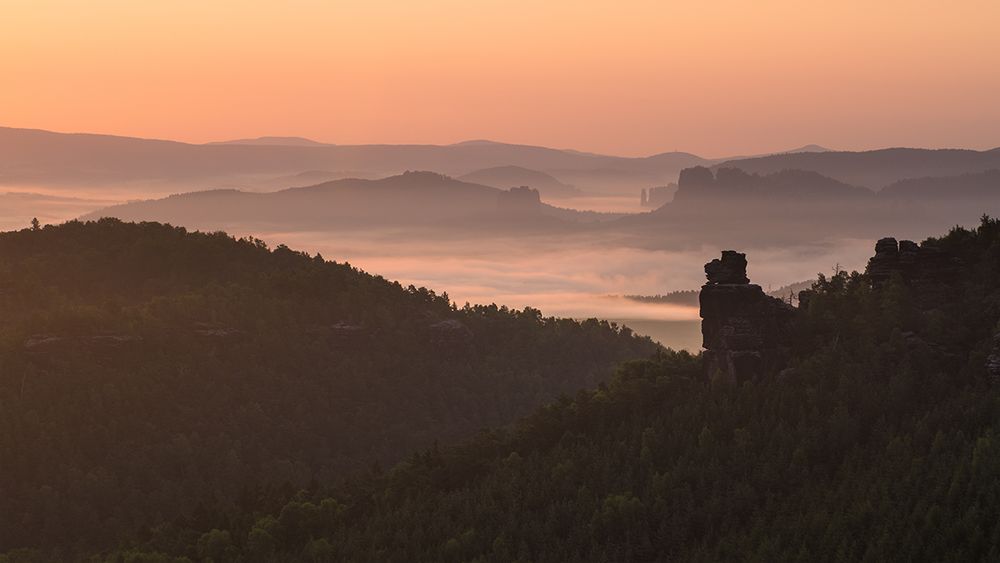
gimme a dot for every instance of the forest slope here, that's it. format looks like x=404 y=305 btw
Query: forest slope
x=145 y=370
x=879 y=442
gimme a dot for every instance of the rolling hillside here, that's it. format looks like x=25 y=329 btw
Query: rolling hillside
x=878 y=442
x=147 y=373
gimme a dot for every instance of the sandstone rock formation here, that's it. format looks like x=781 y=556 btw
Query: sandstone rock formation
x=696 y=177
x=744 y=330
x=730 y=269
x=521 y=200
x=921 y=267
x=657 y=196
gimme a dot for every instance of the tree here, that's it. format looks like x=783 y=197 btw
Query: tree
x=35 y=225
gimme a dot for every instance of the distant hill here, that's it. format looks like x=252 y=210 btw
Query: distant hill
x=273 y=141
x=873 y=169
x=808 y=148
x=504 y=177
x=411 y=199
x=29 y=157
x=781 y=208
x=731 y=190
x=312 y=177
x=710 y=206
x=983 y=186
x=788 y=206
x=476 y=142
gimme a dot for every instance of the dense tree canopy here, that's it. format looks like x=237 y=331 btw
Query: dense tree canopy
x=148 y=373
x=880 y=441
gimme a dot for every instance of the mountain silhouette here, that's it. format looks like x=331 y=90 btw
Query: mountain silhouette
x=788 y=206
x=509 y=176
x=808 y=148
x=411 y=199
x=877 y=168
x=274 y=141
x=36 y=157
x=982 y=186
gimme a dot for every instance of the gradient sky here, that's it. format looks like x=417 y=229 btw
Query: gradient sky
x=627 y=77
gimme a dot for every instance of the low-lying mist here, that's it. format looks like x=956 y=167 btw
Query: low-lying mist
x=577 y=273
x=572 y=278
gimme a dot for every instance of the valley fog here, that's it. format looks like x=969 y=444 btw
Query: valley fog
x=577 y=275
x=576 y=278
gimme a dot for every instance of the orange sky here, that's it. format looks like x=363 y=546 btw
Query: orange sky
x=626 y=77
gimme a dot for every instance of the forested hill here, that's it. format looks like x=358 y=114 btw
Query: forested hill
x=878 y=442
x=147 y=373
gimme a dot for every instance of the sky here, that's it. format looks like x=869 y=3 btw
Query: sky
x=626 y=77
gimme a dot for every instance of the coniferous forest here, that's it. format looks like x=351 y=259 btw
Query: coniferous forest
x=877 y=442
x=148 y=374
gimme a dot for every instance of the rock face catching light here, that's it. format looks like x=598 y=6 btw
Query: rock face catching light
x=744 y=330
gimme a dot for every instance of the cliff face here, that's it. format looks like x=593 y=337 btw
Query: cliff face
x=744 y=330
x=920 y=266
x=657 y=196
x=520 y=200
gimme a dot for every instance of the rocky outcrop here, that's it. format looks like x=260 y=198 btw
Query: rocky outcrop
x=657 y=196
x=922 y=267
x=744 y=330
x=695 y=177
x=730 y=269
x=519 y=201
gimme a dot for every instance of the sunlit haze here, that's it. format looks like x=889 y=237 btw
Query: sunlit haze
x=628 y=78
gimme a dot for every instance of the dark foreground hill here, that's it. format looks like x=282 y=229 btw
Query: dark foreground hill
x=878 y=442
x=146 y=371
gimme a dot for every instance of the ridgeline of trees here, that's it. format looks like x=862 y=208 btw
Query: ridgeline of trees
x=149 y=374
x=879 y=442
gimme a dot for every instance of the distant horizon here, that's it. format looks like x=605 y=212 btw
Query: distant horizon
x=483 y=139
x=638 y=78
